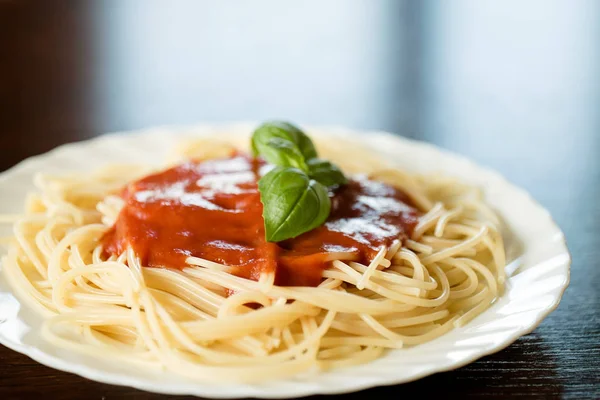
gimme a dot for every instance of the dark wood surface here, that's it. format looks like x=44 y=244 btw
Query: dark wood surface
x=513 y=85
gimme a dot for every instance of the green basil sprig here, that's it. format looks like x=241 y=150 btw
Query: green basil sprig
x=294 y=194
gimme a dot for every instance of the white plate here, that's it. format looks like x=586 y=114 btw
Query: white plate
x=538 y=273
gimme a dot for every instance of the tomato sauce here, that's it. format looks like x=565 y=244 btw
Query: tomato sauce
x=212 y=210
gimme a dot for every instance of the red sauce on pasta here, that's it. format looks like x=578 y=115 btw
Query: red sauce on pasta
x=212 y=210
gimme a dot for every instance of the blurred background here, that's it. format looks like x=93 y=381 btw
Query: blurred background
x=468 y=75
x=512 y=84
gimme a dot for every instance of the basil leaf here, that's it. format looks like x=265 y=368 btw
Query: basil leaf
x=283 y=152
x=326 y=173
x=292 y=203
x=307 y=148
x=282 y=143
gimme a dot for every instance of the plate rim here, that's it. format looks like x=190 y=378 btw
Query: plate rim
x=197 y=388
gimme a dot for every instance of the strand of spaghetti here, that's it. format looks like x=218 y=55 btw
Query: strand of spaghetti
x=414 y=312
x=236 y=300
x=489 y=242
x=49 y=232
x=345 y=269
x=480 y=207
x=443 y=221
x=427 y=221
x=497 y=254
x=475 y=311
x=463 y=229
x=431 y=334
x=163 y=347
x=361 y=329
x=335 y=300
x=94 y=320
x=97 y=255
x=43 y=238
x=419 y=247
x=334 y=341
x=340 y=255
x=159 y=342
x=419 y=270
x=43 y=284
x=97 y=299
x=375 y=284
x=466 y=303
x=135 y=266
x=384 y=263
x=491 y=281
x=266 y=281
x=393 y=249
x=379 y=328
x=416 y=320
x=287 y=336
x=465 y=288
x=439 y=243
x=250 y=373
x=115 y=355
x=468 y=286
x=407 y=271
x=364 y=279
x=33 y=204
x=330 y=283
x=338 y=352
x=277 y=331
x=126 y=335
x=55 y=262
x=307 y=330
x=180 y=283
x=390 y=276
x=21 y=283
x=364 y=356
x=186 y=311
x=102 y=340
x=201 y=262
x=100 y=316
x=145 y=337
x=152 y=312
x=76 y=261
x=460 y=279
x=217 y=357
x=245 y=374
x=396 y=295
x=242 y=324
x=449 y=252
x=248 y=345
x=26 y=245
x=59 y=289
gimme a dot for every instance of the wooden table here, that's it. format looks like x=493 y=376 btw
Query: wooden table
x=514 y=88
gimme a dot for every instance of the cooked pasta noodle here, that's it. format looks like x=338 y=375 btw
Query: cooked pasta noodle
x=205 y=323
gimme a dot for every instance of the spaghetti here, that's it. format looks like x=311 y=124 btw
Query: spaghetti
x=206 y=320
